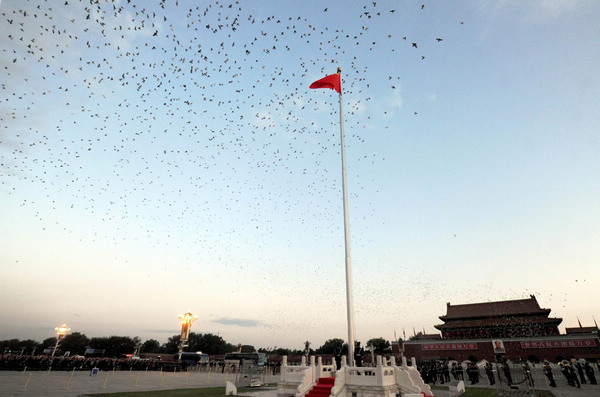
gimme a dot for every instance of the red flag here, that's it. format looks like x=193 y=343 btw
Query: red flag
x=595 y=322
x=579 y=322
x=332 y=81
x=404 y=333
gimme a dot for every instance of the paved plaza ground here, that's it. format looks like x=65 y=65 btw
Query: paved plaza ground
x=59 y=383
x=44 y=383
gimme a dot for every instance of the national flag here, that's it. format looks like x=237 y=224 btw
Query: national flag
x=595 y=323
x=414 y=332
x=404 y=333
x=395 y=337
x=333 y=81
x=579 y=322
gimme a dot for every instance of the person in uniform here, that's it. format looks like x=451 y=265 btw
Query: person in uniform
x=527 y=372
x=577 y=365
x=461 y=372
x=446 y=371
x=338 y=359
x=568 y=373
x=358 y=355
x=473 y=373
x=589 y=371
x=506 y=370
x=548 y=372
x=489 y=371
x=455 y=370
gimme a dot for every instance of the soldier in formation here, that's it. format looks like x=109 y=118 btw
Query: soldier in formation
x=473 y=373
x=569 y=374
x=506 y=370
x=489 y=371
x=589 y=371
x=527 y=372
x=548 y=372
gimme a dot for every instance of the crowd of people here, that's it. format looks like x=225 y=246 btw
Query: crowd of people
x=575 y=372
x=440 y=371
x=11 y=362
x=508 y=332
x=79 y=363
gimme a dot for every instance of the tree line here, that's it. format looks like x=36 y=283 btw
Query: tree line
x=76 y=343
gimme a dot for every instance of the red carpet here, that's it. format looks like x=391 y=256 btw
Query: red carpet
x=322 y=388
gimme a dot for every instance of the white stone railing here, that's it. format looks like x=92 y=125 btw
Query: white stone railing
x=339 y=387
x=384 y=380
x=322 y=370
x=307 y=381
x=294 y=378
x=292 y=373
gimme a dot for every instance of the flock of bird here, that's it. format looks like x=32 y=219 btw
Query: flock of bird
x=154 y=120
x=140 y=95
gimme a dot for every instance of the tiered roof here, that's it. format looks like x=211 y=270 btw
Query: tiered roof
x=582 y=330
x=517 y=307
x=499 y=313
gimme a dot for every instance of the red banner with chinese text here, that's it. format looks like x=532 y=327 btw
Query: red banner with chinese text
x=448 y=346
x=548 y=344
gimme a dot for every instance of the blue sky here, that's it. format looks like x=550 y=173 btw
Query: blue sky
x=158 y=160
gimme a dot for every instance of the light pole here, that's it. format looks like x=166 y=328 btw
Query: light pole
x=60 y=333
x=186 y=323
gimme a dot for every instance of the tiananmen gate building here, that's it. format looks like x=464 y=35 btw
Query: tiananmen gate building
x=519 y=329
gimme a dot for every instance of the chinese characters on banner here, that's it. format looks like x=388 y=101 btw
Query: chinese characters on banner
x=558 y=343
x=449 y=346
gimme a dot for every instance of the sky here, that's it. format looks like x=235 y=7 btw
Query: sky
x=168 y=156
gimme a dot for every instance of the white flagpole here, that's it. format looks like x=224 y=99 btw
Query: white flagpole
x=349 y=300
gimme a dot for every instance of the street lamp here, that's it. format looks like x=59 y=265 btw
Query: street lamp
x=60 y=334
x=186 y=323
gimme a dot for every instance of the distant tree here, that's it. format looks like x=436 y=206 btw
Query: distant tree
x=115 y=346
x=49 y=342
x=380 y=345
x=417 y=336
x=122 y=345
x=74 y=343
x=12 y=346
x=99 y=343
x=332 y=346
x=151 y=346
x=209 y=344
x=282 y=351
x=248 y=349
x=30 y=345
x=172 y=344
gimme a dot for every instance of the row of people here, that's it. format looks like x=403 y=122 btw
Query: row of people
x=509 y=332
x=44 y=362
x=575 y=372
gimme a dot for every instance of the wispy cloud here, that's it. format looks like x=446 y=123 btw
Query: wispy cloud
x=536 y=10
x=396 y=99
x=159 y=331
x=239 y=322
